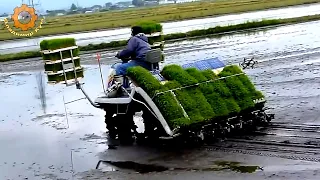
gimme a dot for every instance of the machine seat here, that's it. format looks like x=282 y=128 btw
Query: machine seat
x=154 y=56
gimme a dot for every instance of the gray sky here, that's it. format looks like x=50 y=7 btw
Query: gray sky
x=7 y=6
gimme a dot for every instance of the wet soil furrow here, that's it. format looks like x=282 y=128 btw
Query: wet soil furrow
x=267 y=153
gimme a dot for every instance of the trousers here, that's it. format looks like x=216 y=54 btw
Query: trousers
x=121 y=68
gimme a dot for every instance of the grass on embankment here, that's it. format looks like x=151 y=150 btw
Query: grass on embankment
x=194 y=33
x=165 y=13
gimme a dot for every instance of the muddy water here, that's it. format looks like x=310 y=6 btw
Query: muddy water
x=172 y=27
x=38 y=142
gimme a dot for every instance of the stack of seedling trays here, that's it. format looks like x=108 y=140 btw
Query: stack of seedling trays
x=206 y=97
x=61 y=59
x=154 y=33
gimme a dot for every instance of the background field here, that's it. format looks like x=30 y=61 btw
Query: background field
x=114 y=19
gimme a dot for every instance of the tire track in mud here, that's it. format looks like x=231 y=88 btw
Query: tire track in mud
x=291 y=87
x=271 y=142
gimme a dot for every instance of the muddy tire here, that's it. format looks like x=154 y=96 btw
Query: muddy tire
x=125 y=128
x=153 y=129
x=111 y=125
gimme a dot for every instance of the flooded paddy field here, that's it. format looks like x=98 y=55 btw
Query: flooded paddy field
x=39 y=141
x=95 y=37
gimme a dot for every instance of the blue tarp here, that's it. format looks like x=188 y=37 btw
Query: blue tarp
x=213 y=63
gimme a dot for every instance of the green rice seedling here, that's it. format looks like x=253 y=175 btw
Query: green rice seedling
x=176 y=72
x=166 y=102
x=254 y=93
x=149 y=27
x=238 y=90
x=145 y=80
x=232 y=106
x=245 y=103
x=188 y=102
x=197 y=74
x=58 y=66
x=174 y=36
x=171 y=110
x=235 y=85
x=212 y=92
x=219 y=88
x=209 y=74
x=201 y=103
x=155 y=39
x=60 y=77
x=217 y=103
x=54 y=44
x=65 y=55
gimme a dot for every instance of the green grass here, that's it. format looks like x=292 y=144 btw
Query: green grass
x=165 y=13
x=21 y=55
x=214 y=99
x=175 y=36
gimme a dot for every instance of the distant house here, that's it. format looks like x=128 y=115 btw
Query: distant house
x=125 y=3
x=96 y=8
x=151 y=3
x=166 y=2
x=86 y=10
x=4 y=15
x=56 y=12
x=115 y=7
x=108 y=5
x=175 y=1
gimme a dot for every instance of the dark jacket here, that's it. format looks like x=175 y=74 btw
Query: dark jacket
x=137 y=48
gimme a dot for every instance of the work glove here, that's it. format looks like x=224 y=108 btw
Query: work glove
x=118 y=55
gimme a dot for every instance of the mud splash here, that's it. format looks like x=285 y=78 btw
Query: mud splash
x=148 y=168
x=137 y=167
x=236 y=166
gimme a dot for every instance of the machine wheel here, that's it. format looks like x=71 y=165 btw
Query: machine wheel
x=111 y=125
x=125 y=128
x=153 y=129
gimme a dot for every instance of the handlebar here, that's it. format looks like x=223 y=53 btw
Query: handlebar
x=123 y=59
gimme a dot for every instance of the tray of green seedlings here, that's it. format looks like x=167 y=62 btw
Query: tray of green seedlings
x=52 y=50
x=153 y=31
x=198 y=96
x=59 y=77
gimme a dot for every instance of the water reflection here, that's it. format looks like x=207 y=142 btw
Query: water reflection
x=42 y=90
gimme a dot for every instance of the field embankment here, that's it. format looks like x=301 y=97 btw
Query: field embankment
x=165 y=13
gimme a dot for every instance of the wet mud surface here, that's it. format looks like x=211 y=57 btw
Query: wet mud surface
x=38 y=140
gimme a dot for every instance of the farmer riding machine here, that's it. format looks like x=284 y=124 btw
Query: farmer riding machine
x=197 y=101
